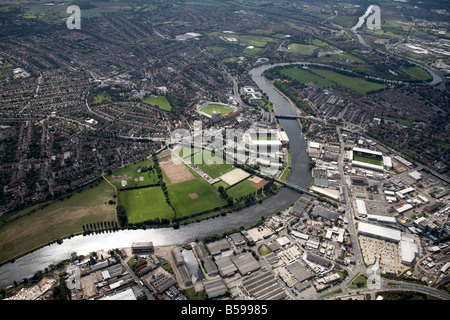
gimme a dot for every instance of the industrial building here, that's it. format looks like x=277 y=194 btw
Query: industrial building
x=142 y=248
x=226 y=266
x=361 y=208
x=217 y=247
x=123 y=295
x=409 y=251
x=263 y=286
x=245 y=263
x=318 y=260
x=379 y=232
x=215 y=288
x=382 y=219
x=161 y=282
x=299 y=271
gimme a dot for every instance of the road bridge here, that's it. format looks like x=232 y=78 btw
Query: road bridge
x=295 y=187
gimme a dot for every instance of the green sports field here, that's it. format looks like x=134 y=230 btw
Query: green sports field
x=210 y=108
x=368 y=160
x=212 y=165
x=144 y=204
x=203 y=196
x=132 y=176
x=305 y=76
x=305 y=49
x=243 y=188
x=158 y=101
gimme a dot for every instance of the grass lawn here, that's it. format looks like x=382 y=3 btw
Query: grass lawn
x=251 y=51
x=206 y=196
x=130 y=173
x=357 y=84
x=359 y=282
x=144 y=204
x=418 y=73
x=343 y=57
x=217 y=49
x=158 y=101
x=220 y=183
x=57 y=220
x=210 y=108
x=243 y=188
x=368 y=160
x=305 y=49
x=102 y=98
x=405 y=122
x=253 y=40
x=345 y=21
x=304 y=76
x=213 y=165
x=230 y=60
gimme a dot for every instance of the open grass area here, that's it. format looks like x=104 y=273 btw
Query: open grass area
x=368 y=160
x=254 y=40
x=357 y=84
x=158 y=101
x=217 y=49
x=213 y=165
x=405 y=122
x=144 y=204
x=343 y=57
x=305 y=49
x=230 y=60
x=194 y=196
x=305 y=76
x=132 y=176
x=220 y=183
x=210 y=108
x=359 y=282
x=243 y=188
x=58 y=219
x=345 y=21
x=102 y=97
x=418 y=73
x=252 y=51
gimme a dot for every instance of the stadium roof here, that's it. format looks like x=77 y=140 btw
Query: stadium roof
x=367 y=151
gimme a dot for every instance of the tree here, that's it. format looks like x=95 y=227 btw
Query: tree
x=61 y=292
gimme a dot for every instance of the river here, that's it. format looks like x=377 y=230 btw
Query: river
x=28 y=265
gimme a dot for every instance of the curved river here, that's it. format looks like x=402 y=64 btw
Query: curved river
x=31 y=263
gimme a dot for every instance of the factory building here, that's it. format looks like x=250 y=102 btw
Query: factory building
x=379 y=232
x=142 y=248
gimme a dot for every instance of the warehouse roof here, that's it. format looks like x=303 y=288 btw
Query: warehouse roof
x=378 y=231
